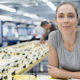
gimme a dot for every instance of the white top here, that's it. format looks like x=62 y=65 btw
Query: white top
x=38 y=31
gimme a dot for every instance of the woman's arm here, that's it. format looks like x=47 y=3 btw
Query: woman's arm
x=52 y=61
x=52 y=57
x=53 y=69
x=60 y=73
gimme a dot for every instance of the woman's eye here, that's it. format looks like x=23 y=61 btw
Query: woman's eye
x=71 y=16
x=61 y=16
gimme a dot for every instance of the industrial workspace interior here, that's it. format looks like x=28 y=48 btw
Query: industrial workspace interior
x=22 y=55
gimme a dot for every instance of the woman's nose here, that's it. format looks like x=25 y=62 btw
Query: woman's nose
x=65 y=19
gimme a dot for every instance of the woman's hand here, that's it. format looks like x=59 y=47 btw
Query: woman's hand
x=54 y=72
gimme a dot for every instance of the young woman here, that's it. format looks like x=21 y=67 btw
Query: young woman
x=64 y=44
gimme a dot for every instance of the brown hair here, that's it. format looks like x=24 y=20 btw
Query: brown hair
x=64 y=3
x=43 y=23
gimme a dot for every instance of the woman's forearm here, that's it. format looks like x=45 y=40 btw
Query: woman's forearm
x=75 y=75
x=60 y=73
x=69 y=74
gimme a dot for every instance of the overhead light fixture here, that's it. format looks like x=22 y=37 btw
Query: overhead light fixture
x=30 y=15
x=19 y=12
x=50 y=4
x=25 y=5
x=5 y=18
x=7 y=8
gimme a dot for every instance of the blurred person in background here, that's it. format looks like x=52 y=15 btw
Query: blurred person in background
x=53 y=26
x=41 y=33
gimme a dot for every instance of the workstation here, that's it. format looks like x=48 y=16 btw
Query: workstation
x=22 y=56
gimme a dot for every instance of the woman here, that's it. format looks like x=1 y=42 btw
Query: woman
x=64 y=44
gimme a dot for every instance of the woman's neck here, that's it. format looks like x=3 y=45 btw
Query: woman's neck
x=69 y=38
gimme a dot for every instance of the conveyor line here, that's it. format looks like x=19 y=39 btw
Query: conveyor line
x=21 y=58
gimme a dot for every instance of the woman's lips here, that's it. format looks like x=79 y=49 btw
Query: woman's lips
x=66 y=26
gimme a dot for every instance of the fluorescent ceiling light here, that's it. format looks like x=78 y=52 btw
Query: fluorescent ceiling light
x=50 y=4
x=5 y=18
x=25 y=5
x=30 y=15
x=7 y=8
x=19 y=12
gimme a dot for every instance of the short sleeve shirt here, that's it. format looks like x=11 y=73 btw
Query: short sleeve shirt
x=67 y=60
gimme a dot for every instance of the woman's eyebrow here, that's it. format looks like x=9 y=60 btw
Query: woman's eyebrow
x=61 y=14
x=71 y=13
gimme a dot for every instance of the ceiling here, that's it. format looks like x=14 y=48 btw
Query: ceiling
x=38 y=7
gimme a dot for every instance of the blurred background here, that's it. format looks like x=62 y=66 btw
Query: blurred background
x=18 y=20
x=22 y=16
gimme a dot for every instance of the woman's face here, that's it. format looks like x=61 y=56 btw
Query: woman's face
x=66 y=18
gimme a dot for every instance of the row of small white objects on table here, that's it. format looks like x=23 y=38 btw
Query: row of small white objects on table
x=15 y=58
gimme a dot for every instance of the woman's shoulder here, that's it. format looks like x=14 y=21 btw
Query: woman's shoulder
x=54 y=33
